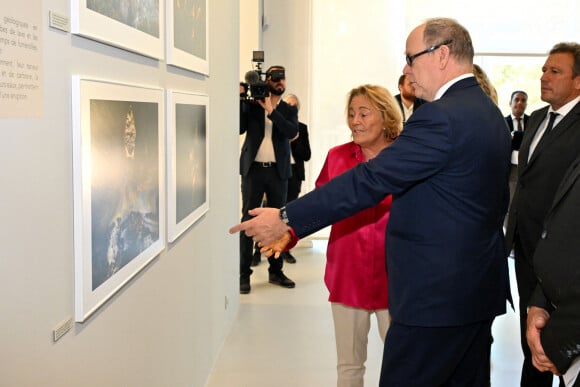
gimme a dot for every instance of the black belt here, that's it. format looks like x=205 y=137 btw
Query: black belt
x=266 y=164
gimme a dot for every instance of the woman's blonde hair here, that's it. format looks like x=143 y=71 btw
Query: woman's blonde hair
x=386 y=105
x=485 y=83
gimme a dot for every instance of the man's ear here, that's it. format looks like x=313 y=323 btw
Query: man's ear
x=577 y=82
x=443 y=54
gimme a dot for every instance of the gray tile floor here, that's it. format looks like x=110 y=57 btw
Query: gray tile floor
x=284 y=337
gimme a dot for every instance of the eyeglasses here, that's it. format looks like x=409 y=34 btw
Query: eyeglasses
x=411 y=58
x=276 y=75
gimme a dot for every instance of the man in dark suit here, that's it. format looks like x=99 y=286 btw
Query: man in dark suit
x=448 y=174
x=406 y=98
x=269 y=125
x=553 y=324
x=517 y=122
x=544 y=157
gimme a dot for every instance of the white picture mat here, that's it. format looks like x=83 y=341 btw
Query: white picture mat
x=87 y=300
x=175 y=227
x=180 y=58
x=93 y=25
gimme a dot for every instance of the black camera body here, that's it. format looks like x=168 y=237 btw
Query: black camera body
x=258 y=90
x=256 y=79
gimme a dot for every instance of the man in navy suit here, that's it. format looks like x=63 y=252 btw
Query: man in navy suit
x=269 y=125
x=544 y=157
x=448 y=174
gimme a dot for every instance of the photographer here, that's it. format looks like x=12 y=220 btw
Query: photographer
x=269 y=124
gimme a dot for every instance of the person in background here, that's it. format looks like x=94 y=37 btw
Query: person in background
x=301 y=152
x=551 y=143
x=517 y=122
x=257 y=257
x=448 y=175
x=406 y=98
x=517 y=119
x=356 y=276
x=269 y=125
x=243 y=90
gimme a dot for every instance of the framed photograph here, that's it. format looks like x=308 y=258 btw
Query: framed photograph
x=187 y=160
x=133 y=25
x=119 y=180
x=187 y=35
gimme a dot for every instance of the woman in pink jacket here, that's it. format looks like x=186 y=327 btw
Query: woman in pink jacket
x=356 y=276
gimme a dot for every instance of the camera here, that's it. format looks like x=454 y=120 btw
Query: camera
x=256 y=79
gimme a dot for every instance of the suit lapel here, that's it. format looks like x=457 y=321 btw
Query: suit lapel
x=559 y=129
x=562 y=127
x=510 y=123
x=571 y=175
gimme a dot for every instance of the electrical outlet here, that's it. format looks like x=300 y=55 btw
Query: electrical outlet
x=62 y=328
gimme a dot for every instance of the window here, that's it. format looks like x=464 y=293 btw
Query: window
x=509 y=73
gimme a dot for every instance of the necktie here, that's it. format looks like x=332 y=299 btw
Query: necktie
x=519 y=119
x=553 y=116
x=549 y=127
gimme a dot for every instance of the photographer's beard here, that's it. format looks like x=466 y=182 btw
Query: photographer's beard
x=277 y=90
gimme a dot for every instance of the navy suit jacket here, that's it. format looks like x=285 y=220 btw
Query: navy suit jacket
x=557 y=265
x=284 y=127
x=448 y=174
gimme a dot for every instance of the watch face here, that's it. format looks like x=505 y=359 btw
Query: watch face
x=283 y=215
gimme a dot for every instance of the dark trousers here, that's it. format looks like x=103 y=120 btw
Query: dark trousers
x=437 y=357
x=526 y=279
x=294 y=185
x=259 y=181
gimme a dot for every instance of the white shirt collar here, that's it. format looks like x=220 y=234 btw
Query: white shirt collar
x=446 y=86
x=566 y=108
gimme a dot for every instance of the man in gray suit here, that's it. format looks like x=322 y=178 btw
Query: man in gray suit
x=544 y=157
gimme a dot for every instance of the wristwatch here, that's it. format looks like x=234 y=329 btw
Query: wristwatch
x=284 y=215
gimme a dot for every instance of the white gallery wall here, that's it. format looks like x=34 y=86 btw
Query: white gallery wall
x=167 y=325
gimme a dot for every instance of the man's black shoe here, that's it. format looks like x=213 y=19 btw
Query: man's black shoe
x=288 y=257
x=245 y=284
x=280 y=279
x=256 y=258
